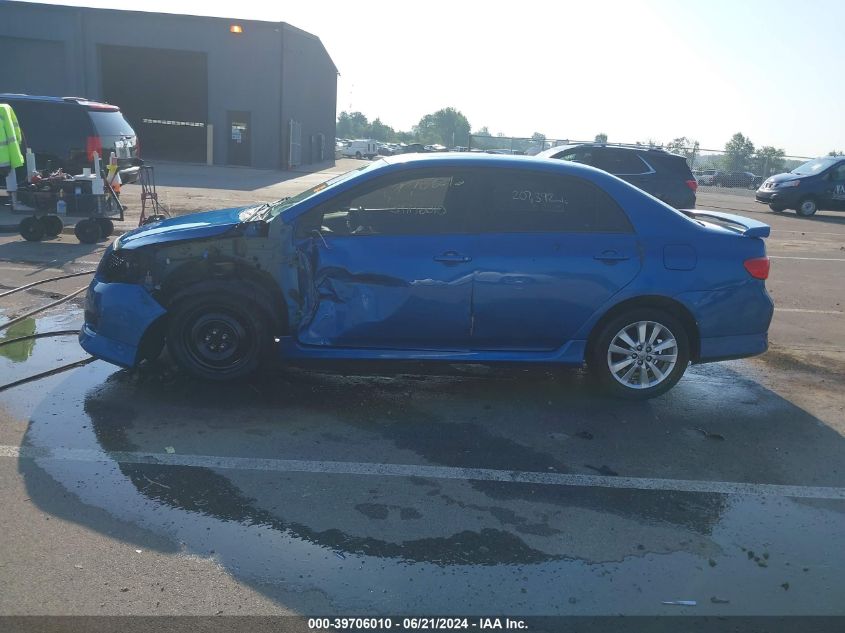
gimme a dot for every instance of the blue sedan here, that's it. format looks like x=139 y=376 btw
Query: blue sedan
x=458 y=258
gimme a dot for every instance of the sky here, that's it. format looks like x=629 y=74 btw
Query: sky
x=634 y=70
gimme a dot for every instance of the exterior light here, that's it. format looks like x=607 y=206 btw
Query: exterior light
x=236 y=28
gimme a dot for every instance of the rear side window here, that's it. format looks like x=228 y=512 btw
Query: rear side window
x=671 y=164
x=110 y=123
x=53 y=127
x=526 y=202
x=620 y=162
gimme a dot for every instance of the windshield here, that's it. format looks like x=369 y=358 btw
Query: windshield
x=277 y=207
x=814 y=166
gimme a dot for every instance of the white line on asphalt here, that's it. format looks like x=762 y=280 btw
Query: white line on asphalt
x=809 y=311
x=815 y=259
x=418 y=470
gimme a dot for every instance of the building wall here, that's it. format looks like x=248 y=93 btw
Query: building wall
x=309 y=92
x=247 y=72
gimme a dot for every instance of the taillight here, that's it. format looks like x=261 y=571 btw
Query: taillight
x=758 y=267
x=692 y=184
x=94 y=144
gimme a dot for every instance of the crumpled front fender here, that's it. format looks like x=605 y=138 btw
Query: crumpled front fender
x=116 y=318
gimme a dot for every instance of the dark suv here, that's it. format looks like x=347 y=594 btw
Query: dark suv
x=665 y=176
x=64 y=132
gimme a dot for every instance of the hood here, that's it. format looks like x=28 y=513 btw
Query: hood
x=779 y=178
x=185 y=227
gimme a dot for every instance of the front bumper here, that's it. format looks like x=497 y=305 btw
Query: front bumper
x=783 y=197
x=116 y=317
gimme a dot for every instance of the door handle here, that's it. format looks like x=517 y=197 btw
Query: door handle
x=611 y=256
x=452 y=257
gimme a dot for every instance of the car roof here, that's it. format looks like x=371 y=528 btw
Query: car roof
x=81 y=101
x=623 y=146
x=481 y=159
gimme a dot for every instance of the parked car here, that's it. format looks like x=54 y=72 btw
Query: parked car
x=705 y=176
x=449 y=257
x=736 y=179
x=416 y=148
x=361 y=148
x=817 y=184
x=665 y=176
x=64 y=133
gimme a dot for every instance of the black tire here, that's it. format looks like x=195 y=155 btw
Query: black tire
x=31 y=229
x=53 y=225
x=777 y=208
x=217 y=337
x=106 y=227
x=87 y=231
x=358 y=155
x=807 y=207
x=600 y=354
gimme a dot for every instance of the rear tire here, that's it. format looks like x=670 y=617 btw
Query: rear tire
x=640 y=354
x=31 y=229
x=807 y=207
x=358 y=155
x=217 y=337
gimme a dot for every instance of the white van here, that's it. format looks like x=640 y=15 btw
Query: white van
x=362 y=148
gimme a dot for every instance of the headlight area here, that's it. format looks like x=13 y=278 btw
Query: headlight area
x=123 y=266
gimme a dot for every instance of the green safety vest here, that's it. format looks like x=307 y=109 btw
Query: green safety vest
x=10 y=138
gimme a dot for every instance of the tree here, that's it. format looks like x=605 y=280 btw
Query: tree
x=601 y=137
x=738 y=152
x=351 y=125
x=768 y=160
x=685 y=147
x=836 y=153
x=447 y=127
x=379 y=131
x=483 y=131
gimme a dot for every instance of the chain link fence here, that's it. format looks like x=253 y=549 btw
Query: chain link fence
x=711 y=168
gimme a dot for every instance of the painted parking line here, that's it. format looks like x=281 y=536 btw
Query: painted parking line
x=812 y=259
x=809 y=311
x=430 y=472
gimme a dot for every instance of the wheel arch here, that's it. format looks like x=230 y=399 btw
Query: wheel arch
x=672 y=306
x=232 y=277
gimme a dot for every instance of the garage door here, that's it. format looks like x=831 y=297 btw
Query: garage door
x=164 y=95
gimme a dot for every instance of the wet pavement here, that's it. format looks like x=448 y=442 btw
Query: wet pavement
x=425 y=543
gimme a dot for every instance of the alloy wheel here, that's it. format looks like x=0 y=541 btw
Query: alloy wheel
x=642 y=355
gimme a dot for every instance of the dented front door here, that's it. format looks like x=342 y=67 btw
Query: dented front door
x=392 y=267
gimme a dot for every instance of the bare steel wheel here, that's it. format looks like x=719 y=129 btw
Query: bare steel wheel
x=640 y=353
x=217 y=336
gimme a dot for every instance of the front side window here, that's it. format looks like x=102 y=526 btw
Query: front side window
x=434 y=203
x=521 y=202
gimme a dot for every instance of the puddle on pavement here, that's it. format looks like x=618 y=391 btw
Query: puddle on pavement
x=405 y=544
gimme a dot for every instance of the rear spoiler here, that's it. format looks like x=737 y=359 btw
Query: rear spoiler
x=745 y=226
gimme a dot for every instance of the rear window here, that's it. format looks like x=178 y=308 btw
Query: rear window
x=110 y=123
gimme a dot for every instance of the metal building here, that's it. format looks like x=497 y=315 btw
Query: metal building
x=196 y=89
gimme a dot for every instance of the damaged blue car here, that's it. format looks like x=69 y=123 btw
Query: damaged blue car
x=460 y=258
